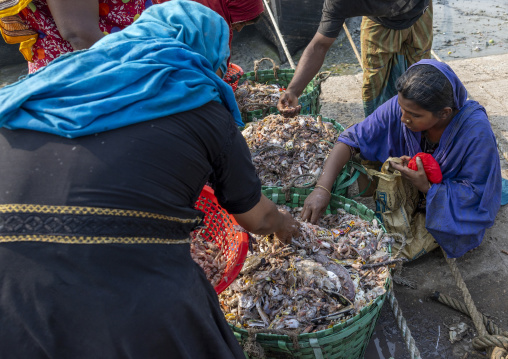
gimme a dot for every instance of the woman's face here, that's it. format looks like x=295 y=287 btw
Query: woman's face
x=416 y=118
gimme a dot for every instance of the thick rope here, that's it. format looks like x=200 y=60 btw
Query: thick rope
x=456 y=304
x=401 y=322
x=402 y=242
x=397 y=273
x=496 y=345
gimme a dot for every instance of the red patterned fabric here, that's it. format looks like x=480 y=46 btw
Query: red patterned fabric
x=430 y=165
x=114 y=15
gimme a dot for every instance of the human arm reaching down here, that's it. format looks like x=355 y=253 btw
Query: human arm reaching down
x=311 y=61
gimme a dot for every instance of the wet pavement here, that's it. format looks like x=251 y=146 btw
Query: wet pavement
x=470 y=28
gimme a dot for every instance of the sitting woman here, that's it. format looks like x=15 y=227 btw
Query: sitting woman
x=108 y=150
x=431 y=114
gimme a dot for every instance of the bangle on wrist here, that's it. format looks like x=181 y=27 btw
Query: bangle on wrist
x=326 y=189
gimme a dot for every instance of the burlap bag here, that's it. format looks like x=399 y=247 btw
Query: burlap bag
x=396 y=202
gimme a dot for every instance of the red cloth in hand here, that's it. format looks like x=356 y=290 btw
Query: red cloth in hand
x=430 y=165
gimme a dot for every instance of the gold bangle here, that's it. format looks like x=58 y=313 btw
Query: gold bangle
x=326 y=189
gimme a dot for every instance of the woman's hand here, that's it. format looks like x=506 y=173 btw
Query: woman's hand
x=417 y=178
x=290 y=228
x=405 y=160
x=288 y=105
x=315 y=205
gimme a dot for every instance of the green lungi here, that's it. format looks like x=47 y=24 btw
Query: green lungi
x=387 y=54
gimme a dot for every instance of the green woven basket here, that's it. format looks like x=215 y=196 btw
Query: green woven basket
x=346 y=177
x=309 y=98
x=347 y=340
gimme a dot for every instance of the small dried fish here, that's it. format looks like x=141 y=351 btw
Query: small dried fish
x=209 y=256
x=251 y=96
x=306 y=285
x=284 y=148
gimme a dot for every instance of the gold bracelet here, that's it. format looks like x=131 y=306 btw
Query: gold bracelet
x=326 y=189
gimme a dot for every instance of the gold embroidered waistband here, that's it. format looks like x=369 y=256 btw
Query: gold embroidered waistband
x=90 y=225
x=91 y=240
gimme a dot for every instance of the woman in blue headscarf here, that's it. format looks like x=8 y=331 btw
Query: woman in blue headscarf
x=431 y=114
x=156 y=67
x=104 y=153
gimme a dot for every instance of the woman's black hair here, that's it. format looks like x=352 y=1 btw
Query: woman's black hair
x=428 y=87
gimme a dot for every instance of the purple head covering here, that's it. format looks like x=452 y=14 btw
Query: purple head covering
x=459 y=91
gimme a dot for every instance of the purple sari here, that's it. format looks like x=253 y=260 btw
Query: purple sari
x=465 y=203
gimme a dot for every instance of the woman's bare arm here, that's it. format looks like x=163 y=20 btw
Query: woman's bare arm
x=77 y=21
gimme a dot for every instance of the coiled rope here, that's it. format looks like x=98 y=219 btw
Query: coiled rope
x=496 y=345
x=456 y=304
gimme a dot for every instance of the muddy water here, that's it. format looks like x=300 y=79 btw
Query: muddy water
x=470 y=28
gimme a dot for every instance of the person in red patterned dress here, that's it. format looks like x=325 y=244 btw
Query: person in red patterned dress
x=68 y=25
x=61 y=26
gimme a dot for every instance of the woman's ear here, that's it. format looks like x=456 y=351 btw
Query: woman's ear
x=446 y=113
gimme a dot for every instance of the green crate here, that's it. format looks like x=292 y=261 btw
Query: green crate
x=347 y=340
x=309 y=98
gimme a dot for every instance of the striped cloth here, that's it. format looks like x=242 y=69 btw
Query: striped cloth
x=13 y=29
x=387 y=54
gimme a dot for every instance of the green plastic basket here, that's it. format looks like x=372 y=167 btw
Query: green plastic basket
x=309 y=98
x=347 y=340
x=346 y=177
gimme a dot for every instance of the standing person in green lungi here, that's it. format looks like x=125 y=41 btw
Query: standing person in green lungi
x=395 y=34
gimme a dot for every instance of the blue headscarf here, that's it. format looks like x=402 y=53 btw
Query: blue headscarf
x=465 y=203
x=162 y=64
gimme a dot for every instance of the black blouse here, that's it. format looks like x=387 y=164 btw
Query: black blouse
x=156 y=166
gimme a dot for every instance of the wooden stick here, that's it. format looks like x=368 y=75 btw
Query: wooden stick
x=352 y=44
x=435 y=55
x=283 y=43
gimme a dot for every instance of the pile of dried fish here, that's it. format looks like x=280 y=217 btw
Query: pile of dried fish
x=284 y=148
x=251 y=96
x=337 y=268
x=209 y=256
